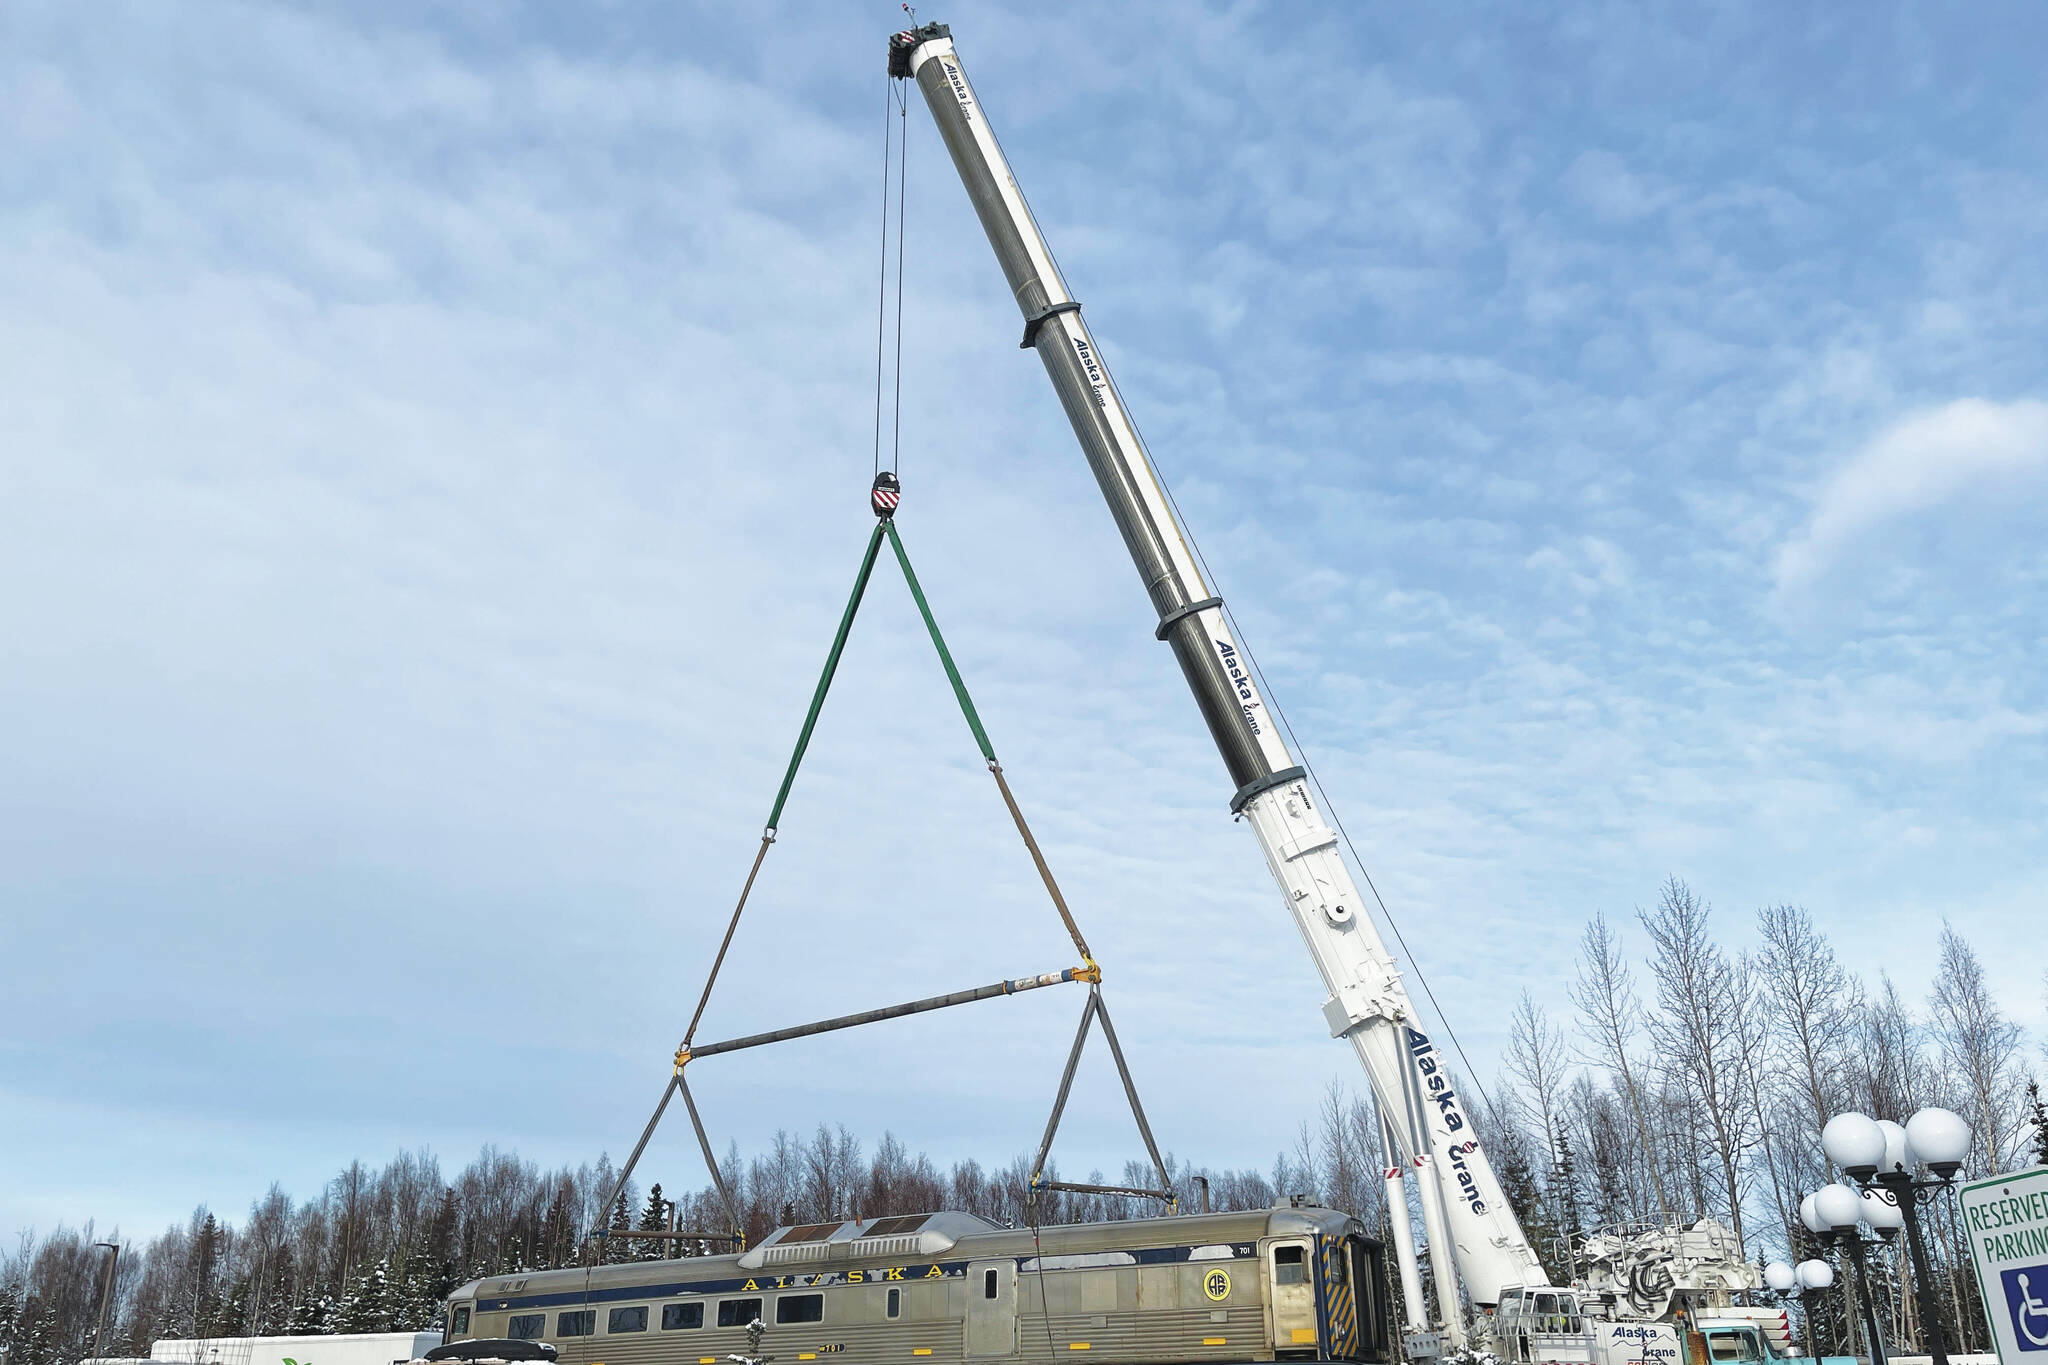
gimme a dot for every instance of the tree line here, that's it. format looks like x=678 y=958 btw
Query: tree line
x=1695 y=1079
x=379 y=1250
x=1687 y=1078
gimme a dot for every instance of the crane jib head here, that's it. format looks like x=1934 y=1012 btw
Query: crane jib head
x=901 y=45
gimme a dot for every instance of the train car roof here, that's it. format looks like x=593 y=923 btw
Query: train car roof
x=929 y=1236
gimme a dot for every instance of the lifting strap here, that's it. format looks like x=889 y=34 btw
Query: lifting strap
x=885 y=501
x=1092 y=1012
x=885 y=526
x=988 y=752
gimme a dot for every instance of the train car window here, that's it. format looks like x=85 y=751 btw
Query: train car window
x=458 y=1320
x=988 y=1284
x=738 y=1312
x=800 y=1308
x=895 y=1303
x=1287 y=1266
x=677 y=1316
x=528 y=1326
x=627 y=1320
x=582 y=1322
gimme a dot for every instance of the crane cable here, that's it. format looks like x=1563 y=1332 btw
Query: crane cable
x=1300 y=752
x=897 y=102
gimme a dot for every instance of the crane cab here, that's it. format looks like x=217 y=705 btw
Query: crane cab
x=1546 y=1325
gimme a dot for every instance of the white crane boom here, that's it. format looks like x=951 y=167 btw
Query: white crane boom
x=1462 y=1204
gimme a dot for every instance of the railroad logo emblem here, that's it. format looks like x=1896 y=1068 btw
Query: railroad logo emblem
x=1216 y=1284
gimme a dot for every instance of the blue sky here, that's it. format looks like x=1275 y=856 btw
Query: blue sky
x=433 y=448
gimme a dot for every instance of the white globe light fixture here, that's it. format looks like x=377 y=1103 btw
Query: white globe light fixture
x=1885 y=1160
x=1815 y=1274
x=1881 y=1213
x=1839 y=1208
x=1855 y=1143
x=1780 y=1276
x=1939 y=1138
x=1898 y=1153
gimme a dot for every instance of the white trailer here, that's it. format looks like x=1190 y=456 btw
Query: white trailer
x=362 y=1348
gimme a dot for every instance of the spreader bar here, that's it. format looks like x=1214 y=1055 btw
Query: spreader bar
x=936 y=1002
x=1165 y=1196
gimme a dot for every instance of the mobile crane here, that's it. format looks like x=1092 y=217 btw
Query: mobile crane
x=1426 y=1126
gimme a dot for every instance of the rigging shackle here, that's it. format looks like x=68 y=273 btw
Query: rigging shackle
x=884 y=496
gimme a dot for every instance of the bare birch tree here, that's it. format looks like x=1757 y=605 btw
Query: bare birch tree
x=1611 y=1015
x=1980 y=1048
x=1699 y=1032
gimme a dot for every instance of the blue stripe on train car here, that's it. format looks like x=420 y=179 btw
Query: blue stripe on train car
x=761 y=1283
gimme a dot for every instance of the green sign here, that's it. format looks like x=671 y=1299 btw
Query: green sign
x=2006 y=1220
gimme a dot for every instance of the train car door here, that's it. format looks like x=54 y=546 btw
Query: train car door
x=1342 y=1339
x=991 y=1308
x=1291 y=1295
x=1368 y=1281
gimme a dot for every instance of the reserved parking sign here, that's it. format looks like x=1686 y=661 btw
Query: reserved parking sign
x=2006 y=1218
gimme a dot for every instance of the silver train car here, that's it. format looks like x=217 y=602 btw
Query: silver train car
x=1291 y=1282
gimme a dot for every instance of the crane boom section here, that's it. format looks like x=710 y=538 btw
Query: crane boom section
x=1367 y=1002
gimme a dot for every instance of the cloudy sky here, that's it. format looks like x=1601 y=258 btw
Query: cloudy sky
x=433 y=451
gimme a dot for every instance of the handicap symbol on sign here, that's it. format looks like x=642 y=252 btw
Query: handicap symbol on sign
x=2026 y=1298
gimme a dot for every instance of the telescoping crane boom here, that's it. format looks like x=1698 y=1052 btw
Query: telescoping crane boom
x=1462 y=1205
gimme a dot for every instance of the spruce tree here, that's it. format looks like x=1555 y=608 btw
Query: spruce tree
x=371 y=1304
x=10 y=1315
x=277 y=1297
x=2037 y=1115
x=314 y=1316
x=1565 y=1186
x=619 y=1248
x=653 y=1218
x=34 y=1342
x=1525 y=1197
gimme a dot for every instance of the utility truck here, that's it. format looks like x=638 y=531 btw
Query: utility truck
x=1652 y=1288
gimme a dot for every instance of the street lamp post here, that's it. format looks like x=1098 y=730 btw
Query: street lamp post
x=99 y=1331
x=1797 y=1284
x=1814 y=1278
x=1880 y=1156
x=1833 y=1213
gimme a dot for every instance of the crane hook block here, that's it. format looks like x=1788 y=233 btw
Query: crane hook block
x=885 y=495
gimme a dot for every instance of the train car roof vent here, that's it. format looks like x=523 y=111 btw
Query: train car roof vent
x=917 y=1234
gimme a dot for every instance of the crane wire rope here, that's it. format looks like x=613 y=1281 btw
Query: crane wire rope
x=1300 y=752
x=896 y=102
x=882 y=286
x=902 y=180
x=884 y=500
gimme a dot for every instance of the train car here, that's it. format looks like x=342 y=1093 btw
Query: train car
x=1293 y=1282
